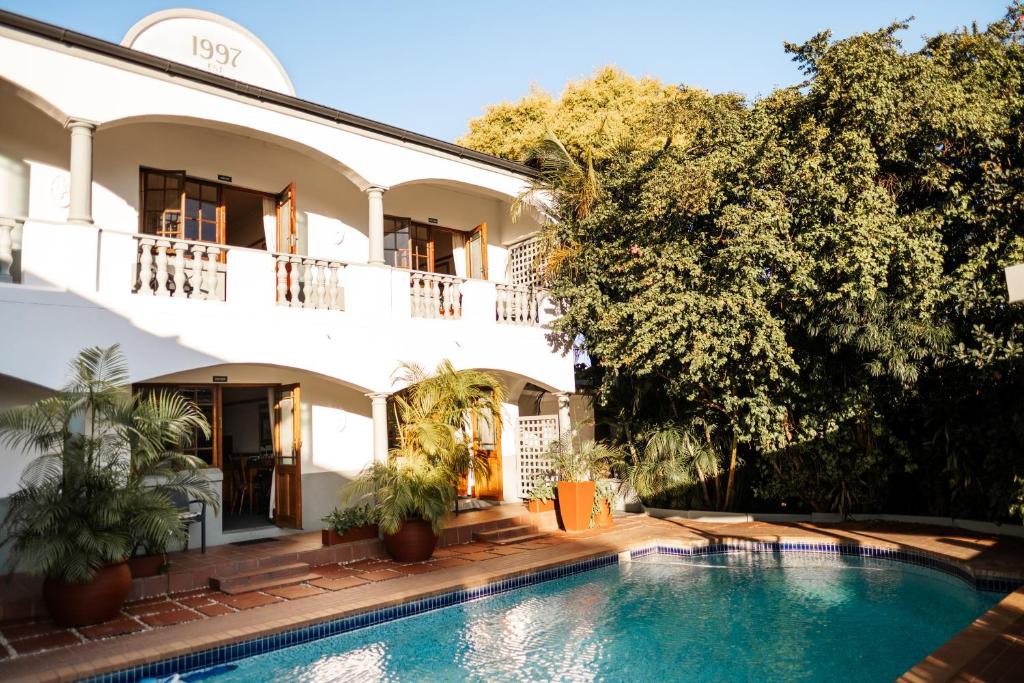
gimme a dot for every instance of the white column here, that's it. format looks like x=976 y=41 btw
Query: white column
x=564 y=419
x=379 y=411
x=376 y=225
x=80 y=210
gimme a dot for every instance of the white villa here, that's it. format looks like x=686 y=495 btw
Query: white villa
x=271 y=258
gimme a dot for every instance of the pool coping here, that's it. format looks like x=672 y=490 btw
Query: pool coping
x=227 y=653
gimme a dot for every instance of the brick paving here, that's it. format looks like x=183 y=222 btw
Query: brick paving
x=156 y=628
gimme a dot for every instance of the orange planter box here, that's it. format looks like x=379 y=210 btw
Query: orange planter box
x=540 y=505
x=575 y=503
x=359 y=533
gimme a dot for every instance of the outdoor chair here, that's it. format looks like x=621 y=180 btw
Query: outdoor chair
x=189 y=516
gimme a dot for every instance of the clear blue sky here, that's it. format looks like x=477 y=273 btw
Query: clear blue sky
x=431 y=66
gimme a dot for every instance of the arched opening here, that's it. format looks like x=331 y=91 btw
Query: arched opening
x=283 y=443
x=186 y=178
x=452 y=228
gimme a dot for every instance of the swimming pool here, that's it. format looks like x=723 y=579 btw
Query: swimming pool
x=718 y=617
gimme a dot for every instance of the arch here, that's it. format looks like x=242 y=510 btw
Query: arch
x=244 y=131
x=36 y=100
x=174 y=377
x=459 y=186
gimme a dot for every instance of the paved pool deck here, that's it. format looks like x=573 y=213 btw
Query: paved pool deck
x=991 y=649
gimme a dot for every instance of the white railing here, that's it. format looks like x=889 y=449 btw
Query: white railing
x=435 y=296
x=536 y=433
x=517 y=305
x=179 y=268
x=10 y=229
x=307 y=282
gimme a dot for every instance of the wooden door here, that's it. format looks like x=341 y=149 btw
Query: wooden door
x=476 y=252
x=487 y=441
x=287 y=237
x=288 y=455
x=163 y=203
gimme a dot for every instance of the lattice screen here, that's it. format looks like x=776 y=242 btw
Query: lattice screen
x=525 y=265
x=535 y=435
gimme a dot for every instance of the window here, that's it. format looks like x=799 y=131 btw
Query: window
x=526 y=264
x=161 y=202
x=205 y=398
x=202 y=207
x=417 y=246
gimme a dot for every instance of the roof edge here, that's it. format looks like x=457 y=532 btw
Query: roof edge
x=86 y=42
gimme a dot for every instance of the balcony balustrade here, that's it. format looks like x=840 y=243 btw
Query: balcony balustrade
x=307 y=282
x=435 y=296
x=180 y=269
x=517 y=305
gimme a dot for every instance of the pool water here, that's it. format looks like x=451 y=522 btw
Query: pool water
x=728 y=617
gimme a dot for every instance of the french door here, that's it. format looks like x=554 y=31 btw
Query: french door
x=287 y=239
x=288 y=455
x=476 y=252
x=487 y=442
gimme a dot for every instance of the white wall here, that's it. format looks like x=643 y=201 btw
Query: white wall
x=13 y=461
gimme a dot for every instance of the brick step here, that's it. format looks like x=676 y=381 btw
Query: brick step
x=239 y=582
x=495 y=535
x=521 y=539
x=271 y=583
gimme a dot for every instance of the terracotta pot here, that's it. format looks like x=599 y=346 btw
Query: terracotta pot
x=540 y=505
x=414 y=541
x=147 y=565
x=81 y=604
x=575 y=503
x=359 y=533
x=603 y=519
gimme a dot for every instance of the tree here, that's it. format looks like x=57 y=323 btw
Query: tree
x=814 y=278
x=593 y=115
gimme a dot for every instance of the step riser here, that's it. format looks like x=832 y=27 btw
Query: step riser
x=520 y=539
x=501 y=534
x=259 y=576
x=271 y=584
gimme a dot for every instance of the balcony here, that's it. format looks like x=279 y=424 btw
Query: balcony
x=100 y=264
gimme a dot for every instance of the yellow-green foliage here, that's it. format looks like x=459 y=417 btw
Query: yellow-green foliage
x=597 y=114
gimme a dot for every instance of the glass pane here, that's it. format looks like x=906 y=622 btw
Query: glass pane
x=192 y=188
x=191 y=207
x=191 y=229
x=209 y=193
x=154 y=181
x=476 y=262
x=172 y=199
x=173 y=182
x=151 y=222
x=209 y=211
x=287 y=453
x=155 y=200
x=209 y=232
x=204 y=396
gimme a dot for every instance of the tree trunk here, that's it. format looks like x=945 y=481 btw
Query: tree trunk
x=732 y=472
x=718 y=475
x=704 y=487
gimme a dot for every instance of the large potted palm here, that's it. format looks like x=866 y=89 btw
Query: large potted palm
x=577 y=466
x=107 y=463
x=416 y=489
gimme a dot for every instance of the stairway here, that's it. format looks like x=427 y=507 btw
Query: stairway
x=509 y=534
x=263 y=579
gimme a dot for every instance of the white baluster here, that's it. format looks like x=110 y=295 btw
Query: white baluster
x=457 y=299
x=532 y=310
x=435 y=297
x=295 y=285
x=6 y=250
x=446 y=298
x=179 y=270
x=211 y=281
x=334 y=294
x=499 y=303
x=282 y=280
x=146 y=264
x=161 y=267
x=308 y=284
x=322 y=300
x=417 y=295
x=195 y=277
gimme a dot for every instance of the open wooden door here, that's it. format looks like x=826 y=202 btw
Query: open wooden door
x=476 y=252
x=487 y=441
x=288 y=454
x=287 y=238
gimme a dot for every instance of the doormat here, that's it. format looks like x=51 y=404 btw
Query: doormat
x=255 y=541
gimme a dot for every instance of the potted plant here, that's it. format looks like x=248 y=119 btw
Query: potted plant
x=542 y=495
x=145 y=562
x=577 y=465
x=604 y=498
x=416 y=489
x=357 y=523
x=107 y=464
